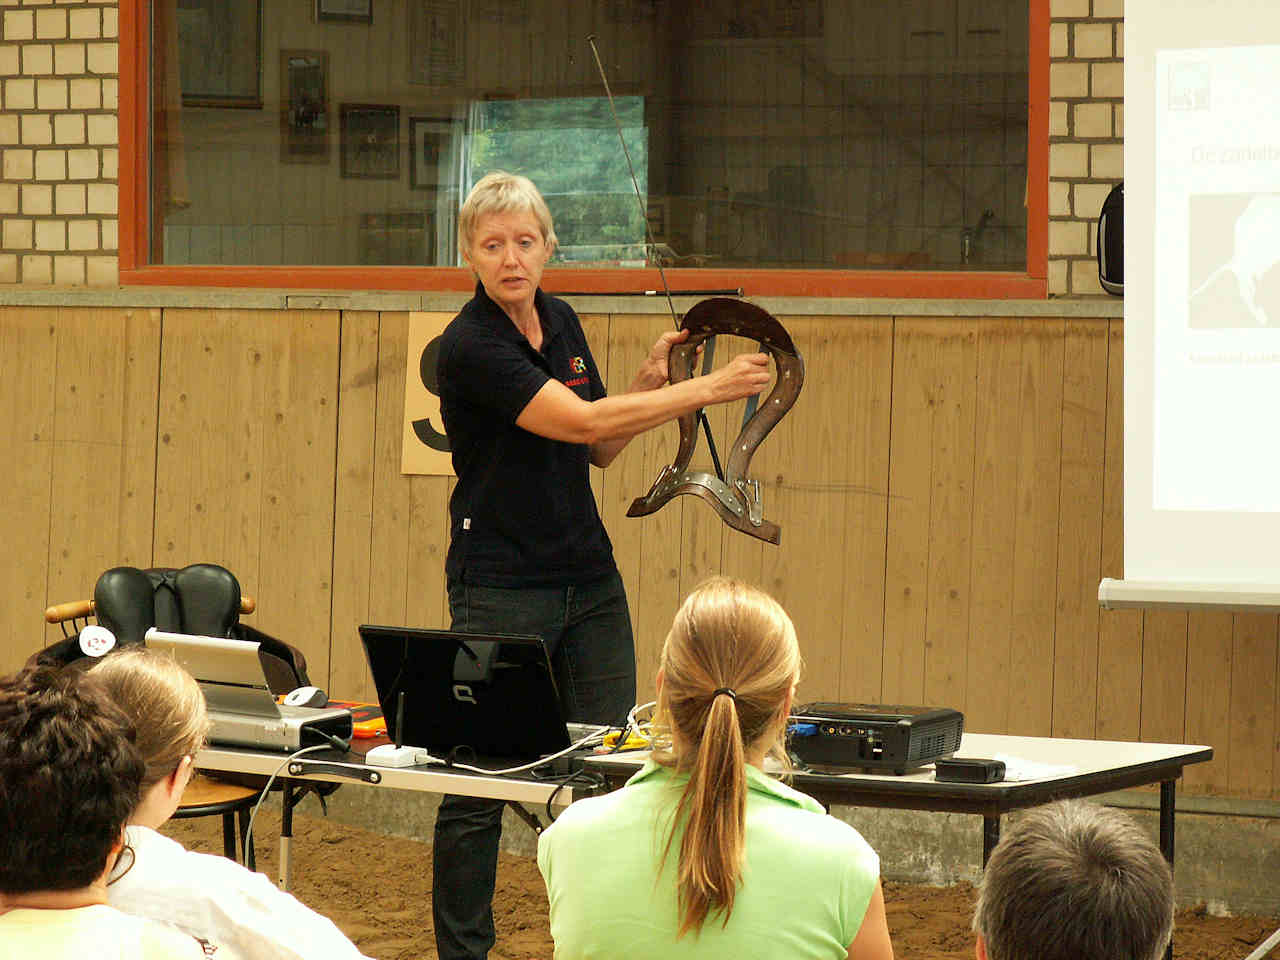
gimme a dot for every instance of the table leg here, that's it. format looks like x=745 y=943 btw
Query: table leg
x=287 y=801
x=229 y=835
x=990 y=837
x=246 y=841
x=1167 y=788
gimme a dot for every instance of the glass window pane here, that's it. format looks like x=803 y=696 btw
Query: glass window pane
x=838 y=134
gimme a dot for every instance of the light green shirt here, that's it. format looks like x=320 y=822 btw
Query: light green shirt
x=805 y=887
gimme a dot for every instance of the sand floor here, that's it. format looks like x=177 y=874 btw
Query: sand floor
x=378 y=891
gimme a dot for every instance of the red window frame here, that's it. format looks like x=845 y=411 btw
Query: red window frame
x=135 y=85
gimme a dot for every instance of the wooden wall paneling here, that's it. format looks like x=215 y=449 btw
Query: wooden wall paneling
x=300 y=427
x=1164 y=676
x=1208 y=698
x=915 y=394
x=390 y=579
x=627 y=477
x=354 y=506
x=1252 y=732
x=658 y=583
x=866 y=347
x=1075 y=675
x=812 y=559
x=951 y=517
x=1119 y=631
x=1035 y=553
x=209 y=459
x=997 y=467
x=427 y=602
x=28 y=374
x=103 y=476
x=796 y=467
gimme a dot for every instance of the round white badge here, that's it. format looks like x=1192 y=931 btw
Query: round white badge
x=95 y=640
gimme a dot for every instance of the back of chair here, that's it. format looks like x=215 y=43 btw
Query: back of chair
x=201 y=599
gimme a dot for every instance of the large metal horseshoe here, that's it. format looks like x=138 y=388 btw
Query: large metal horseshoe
x=736 y=498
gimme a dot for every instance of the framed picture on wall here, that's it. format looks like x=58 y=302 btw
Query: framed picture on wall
x=430 y=151
x=370 y=141
x=345 y=11
x=304 y=106
x=219 y=47
x=437 y=40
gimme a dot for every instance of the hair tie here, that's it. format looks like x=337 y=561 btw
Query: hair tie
x=729 y=690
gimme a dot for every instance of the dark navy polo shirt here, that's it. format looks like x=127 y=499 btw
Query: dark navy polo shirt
x=522 y=513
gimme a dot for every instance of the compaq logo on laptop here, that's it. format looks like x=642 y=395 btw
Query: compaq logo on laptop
x=463 y=693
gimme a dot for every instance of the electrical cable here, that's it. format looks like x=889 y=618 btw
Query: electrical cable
x=248 y=833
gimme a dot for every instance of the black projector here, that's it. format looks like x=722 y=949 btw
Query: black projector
x=838 y=737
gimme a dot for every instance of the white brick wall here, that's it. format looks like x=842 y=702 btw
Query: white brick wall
x=59 y=137
x=1086 y=134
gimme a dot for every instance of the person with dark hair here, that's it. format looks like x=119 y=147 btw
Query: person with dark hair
x=527 y=415
x=69 y=778
x=1070 y=880
x=702 y=853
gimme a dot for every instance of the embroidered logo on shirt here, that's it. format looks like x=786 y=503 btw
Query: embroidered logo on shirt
x=575 y=382
x=578 y=365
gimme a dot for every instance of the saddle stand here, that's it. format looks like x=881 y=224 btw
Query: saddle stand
x=735 y=497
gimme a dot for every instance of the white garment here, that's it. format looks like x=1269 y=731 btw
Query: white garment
x=241 y=912
x=94 y=931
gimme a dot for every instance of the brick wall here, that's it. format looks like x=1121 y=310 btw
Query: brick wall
x=1086 y=134
x=59 y=68
x=59 y=153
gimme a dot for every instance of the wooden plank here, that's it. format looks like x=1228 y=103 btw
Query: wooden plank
x=1164 y=676
x=867 y=350
x=807 y=568
x=997 y=467
x=209 y=487
x=951 y=517
x=354 y=506
x=389 y=577
x=914 y=398
x=1208 y=698
x=299 y=433
x=1253 y=706
x=1035 y=554
x=104 y=446
x=1075 y=675
x=1119 y=631
x=28 y=365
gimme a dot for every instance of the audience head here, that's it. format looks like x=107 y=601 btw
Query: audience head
x=164 y=702
x=1071 y=880
x=69 y=778
x=726 y=678
x=502 y=192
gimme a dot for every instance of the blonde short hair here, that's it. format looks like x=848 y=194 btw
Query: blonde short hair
x=502 y=192
x=164 y=702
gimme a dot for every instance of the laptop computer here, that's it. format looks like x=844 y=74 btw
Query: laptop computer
x=493 y=694
x=242 y=711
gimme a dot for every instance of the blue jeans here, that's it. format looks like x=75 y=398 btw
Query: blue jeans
x=587 y=629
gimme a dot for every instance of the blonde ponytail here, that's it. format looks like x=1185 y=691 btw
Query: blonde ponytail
x=729 y=665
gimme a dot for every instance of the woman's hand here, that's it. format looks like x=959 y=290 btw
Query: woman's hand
x=654 y=372
x=744 y=376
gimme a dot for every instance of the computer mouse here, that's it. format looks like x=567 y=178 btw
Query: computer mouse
x=306 y=697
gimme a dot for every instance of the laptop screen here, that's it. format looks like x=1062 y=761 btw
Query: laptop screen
x=493 y=694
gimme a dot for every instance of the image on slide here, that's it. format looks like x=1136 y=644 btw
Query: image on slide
x=1234 y=268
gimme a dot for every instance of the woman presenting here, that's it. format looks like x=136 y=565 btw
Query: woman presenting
x=526 y=413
